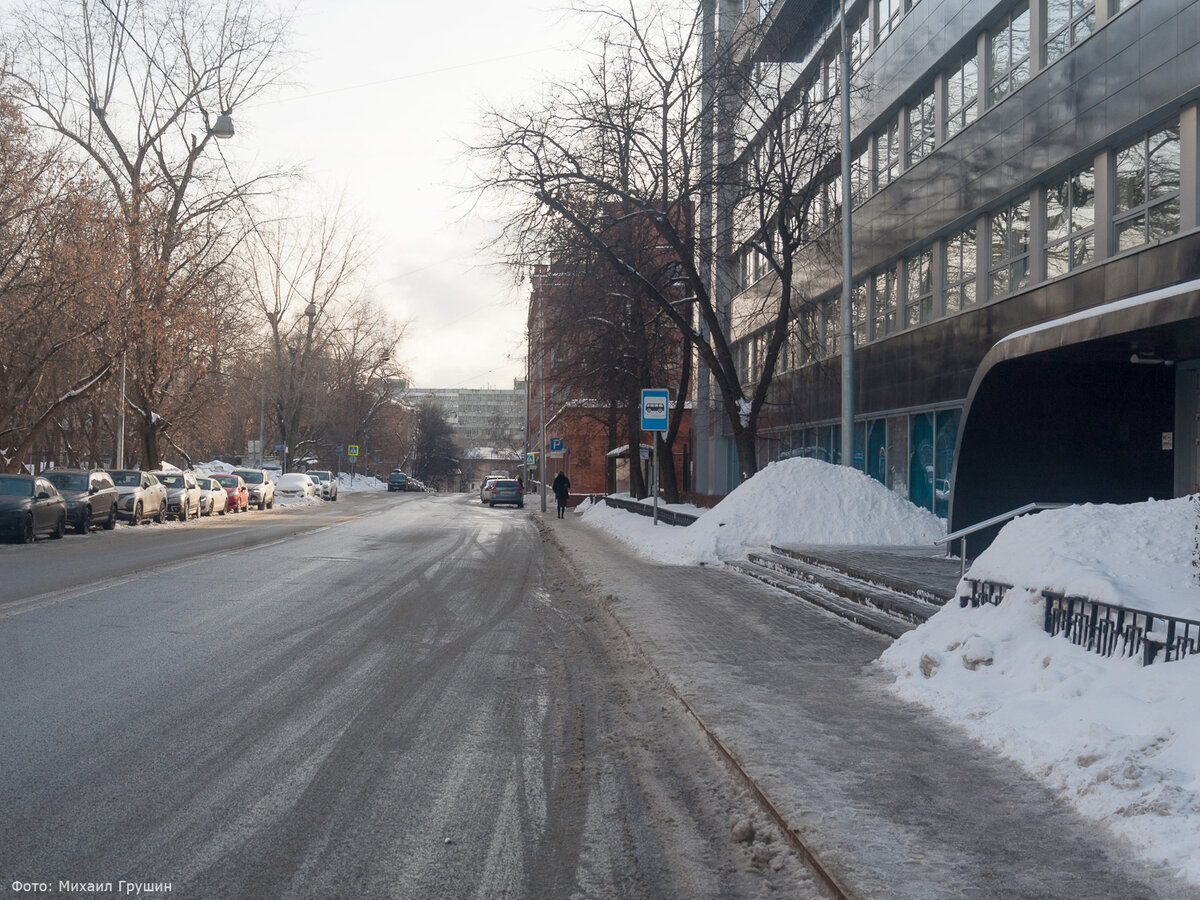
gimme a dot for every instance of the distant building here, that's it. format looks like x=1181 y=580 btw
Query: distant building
x=481 y=417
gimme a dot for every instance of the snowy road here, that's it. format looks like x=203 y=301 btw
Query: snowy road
x=415 y=701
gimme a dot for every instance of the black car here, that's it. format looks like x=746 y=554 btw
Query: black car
x=397 y=481
x=30 y=505
x=91 y=497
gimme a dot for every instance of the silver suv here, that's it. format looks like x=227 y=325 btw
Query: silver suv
x=183 y=494
x=262 y=488
x=141 y=495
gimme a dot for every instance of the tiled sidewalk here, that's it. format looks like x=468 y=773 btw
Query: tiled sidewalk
x=893 y=802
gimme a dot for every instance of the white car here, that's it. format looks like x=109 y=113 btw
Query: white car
x=213 y=498
x=295 y=486
x=327 y=485
x=142 y=496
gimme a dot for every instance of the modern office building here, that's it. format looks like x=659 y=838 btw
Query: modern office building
x=491 y=418
x=1026 y=249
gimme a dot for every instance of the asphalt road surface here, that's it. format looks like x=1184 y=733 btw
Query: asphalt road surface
x=390 y=696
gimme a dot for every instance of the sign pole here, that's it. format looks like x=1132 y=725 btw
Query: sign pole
x=654 y=478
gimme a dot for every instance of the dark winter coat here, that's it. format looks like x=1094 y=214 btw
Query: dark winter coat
x=561 y=486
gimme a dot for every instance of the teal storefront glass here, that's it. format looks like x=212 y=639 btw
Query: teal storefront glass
x=877 y=450
x=921 y=460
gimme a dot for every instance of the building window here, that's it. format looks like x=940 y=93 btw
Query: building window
x=860 y=177
x=918 y=286
x=1147 y=201
x=1067 y=23
x=885 y=316
x=960 y=271
x=962 y=96
x=922 y=125
x=1070 y=223
x=890 y=13
x=887 y=155
x=833 y=326
x=1008 y=48
x=858 y=307
x=860 y=44
x=1009 y=258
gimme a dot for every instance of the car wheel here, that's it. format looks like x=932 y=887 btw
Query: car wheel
x=492 y=504
x=60 y=528
x=271 y=505
x=136 y=518
x=162 y=513
x=111 y=522
x=27 y=533
x=85 y=520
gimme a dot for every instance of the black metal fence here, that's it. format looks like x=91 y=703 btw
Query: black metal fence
x=1105 y=628
x=642 y=509
x=1113 y=630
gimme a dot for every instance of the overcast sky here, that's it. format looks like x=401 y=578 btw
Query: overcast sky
x=389 y=90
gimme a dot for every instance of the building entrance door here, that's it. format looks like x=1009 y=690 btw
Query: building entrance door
x=1186 y=439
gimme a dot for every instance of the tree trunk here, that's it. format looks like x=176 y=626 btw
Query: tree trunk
x=637 y=484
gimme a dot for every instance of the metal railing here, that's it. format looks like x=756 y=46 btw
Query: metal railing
x=963 y=533
x=664 y=515
x=1110 y=629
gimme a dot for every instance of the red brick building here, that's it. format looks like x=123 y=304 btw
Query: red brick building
x=571 y=330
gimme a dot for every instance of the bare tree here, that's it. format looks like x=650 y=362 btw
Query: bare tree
x=136 y=88
x=625 y=145
x=56 y=290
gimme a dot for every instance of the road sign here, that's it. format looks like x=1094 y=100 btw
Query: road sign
x=655 y=406
x=530 y=459
x=340 y=450
x=352 y=450
x=556 y=445
x=279 y=447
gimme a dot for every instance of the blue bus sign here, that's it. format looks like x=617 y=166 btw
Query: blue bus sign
x=656 y=404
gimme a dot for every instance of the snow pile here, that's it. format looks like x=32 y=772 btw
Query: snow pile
x=1115 y=739
x=793 y=501
x=1138 y=554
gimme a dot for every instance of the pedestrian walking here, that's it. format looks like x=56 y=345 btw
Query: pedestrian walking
x=562 y=488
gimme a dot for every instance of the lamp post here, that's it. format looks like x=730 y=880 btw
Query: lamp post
x=847 y=263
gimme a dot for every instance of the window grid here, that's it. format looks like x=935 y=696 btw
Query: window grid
x=1009 y=46
x=887 y=155
x=1009 y=266
x=1067 y=23
x=1147 y=197
x=922 y=129
x=918 y=286
x=1070 y=223
x=962 y=96
x=959 y=291
x=886 y=313
x=890 y=13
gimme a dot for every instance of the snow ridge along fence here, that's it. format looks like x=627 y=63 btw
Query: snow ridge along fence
x=1105 y=628
x=664 y=515
x=1111 y=630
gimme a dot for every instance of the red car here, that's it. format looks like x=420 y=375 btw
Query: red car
x=236 y=490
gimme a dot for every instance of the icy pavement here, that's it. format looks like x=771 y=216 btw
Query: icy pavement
x=893 y=801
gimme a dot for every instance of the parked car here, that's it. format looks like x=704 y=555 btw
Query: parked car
x=30 y=505
x=213 y=498
x=183 y=494
x=327 y=483
x=397 y=481
x=142 y=496
x=236 y=493
x=295 y=486
x=91 y=497
x=485 y=489
x=507 y=490
x=261 y=486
